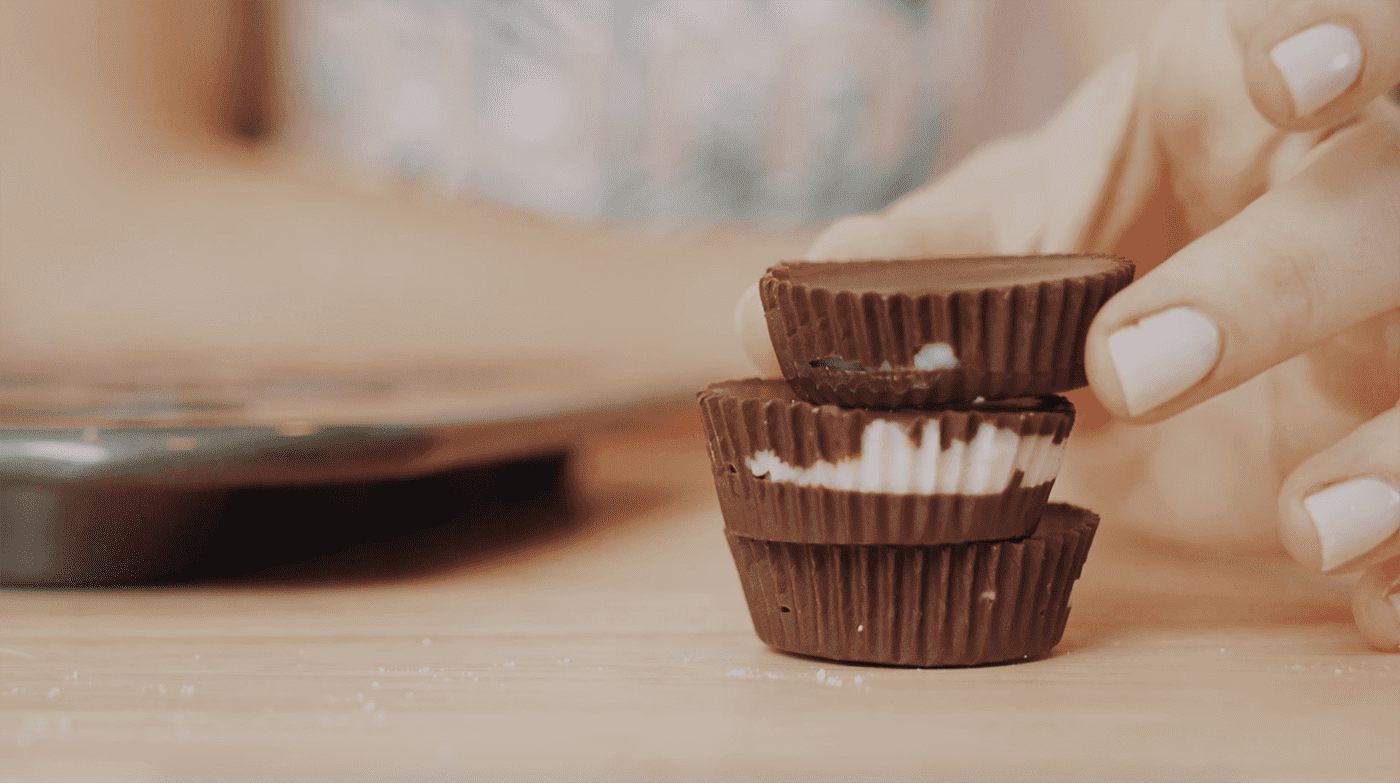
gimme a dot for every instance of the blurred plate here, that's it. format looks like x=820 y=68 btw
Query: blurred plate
x=134 y=452
x=195 y=420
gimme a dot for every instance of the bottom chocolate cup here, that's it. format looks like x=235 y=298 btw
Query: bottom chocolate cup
x=946 y=605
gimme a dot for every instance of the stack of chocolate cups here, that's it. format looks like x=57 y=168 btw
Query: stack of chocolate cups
x=888 y=501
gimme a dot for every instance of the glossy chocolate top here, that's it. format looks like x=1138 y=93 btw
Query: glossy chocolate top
x=923 y=275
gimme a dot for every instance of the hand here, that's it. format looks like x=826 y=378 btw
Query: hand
x=1246 y=157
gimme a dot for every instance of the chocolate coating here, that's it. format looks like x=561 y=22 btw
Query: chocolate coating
x=952 y=605
x=906 y=276
x=861 y=333
x=776 y=511
x=801 y=432
x=743 y=418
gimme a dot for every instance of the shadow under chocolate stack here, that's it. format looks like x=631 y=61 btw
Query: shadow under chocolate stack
x=893 y=515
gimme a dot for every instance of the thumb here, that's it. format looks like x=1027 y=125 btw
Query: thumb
x=1313 y=63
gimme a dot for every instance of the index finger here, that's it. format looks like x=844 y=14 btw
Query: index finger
x=1300 y=264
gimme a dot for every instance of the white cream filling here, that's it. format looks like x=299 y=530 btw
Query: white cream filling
x=890 y=462
x=935 y=356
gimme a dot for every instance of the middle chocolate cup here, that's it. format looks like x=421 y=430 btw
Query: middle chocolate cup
x=790 y=471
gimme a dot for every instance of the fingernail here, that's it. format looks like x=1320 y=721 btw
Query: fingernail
x=1353 y=517
x=1162 y=356
x=1318 y=64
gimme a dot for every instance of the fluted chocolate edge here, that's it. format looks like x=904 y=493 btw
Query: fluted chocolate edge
x=785 y=512
x=858 y=349
x=951 y=605
x=744 y=418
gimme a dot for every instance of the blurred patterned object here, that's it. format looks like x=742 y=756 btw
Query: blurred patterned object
x=651 y=112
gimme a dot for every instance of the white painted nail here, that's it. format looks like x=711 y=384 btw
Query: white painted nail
x=1318 y=64
x=1353 y=517
x=1162 y=356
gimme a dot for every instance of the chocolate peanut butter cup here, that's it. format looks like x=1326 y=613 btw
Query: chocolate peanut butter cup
x=787 y=470
x=919 y=332
x=950 y=605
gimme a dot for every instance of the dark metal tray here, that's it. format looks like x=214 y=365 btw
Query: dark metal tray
x=119 y=470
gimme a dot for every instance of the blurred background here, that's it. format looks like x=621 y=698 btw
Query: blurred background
x=299 y=244
x=351 y=180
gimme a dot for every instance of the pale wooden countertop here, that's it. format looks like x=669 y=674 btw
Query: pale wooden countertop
x=618 y=647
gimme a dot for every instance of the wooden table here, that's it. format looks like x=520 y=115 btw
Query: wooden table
x=614 y=644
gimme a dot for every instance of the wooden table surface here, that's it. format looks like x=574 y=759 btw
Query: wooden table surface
x=614 y=644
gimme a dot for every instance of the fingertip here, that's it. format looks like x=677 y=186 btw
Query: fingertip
x=1339 y=511
x=1313 y=64
x=1376 y=606
x=1296 y=529
x=1317 y=65
x=1099 y=367
x=869 y=236
x=834 y=242
x=1139 y=365
x=752 y=326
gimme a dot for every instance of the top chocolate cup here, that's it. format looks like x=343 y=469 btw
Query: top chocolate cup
x=920 y=332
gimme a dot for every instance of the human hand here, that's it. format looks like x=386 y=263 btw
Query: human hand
x=1246 y=159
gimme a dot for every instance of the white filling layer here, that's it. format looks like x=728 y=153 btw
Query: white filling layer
x=935 y=356
x=890 y=462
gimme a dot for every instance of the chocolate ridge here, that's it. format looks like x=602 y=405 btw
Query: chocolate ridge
x=760 y=414
x=1012 y=340
x=950 y=605
x=742 y=418
x=778 y=511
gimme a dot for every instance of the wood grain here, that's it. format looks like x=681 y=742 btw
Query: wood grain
x=613 y=644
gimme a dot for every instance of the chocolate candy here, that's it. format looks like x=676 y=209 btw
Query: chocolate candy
x=950 y=605
x=921 y=332
x=787 y=470
x=886 y=503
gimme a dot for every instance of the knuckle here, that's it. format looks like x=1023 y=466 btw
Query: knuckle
x=844 y=237
x=1290 y=282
